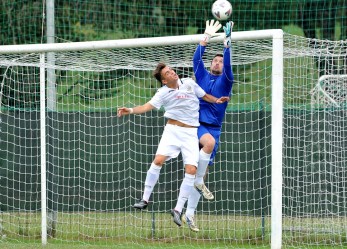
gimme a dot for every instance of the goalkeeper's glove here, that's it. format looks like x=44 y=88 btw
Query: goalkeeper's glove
x=211 y=29
x=228 y=28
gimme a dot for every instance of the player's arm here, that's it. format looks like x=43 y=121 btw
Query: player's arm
x=212 y=99
x=198 y=64
x=228 y=29
x=227 y=67
x=228 y=73
x=122 y=111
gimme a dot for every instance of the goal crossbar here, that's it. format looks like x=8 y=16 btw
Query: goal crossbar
x=139 y=42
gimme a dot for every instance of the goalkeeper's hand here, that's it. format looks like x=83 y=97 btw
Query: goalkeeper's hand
x=228 y=28
x=211 y=29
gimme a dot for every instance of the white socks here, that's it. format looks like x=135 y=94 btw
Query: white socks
x=192 y=204
x=204 y=159
x=151 y=180
x=187 y=187
x=194 y=197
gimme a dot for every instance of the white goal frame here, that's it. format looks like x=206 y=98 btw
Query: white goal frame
x=276 y=99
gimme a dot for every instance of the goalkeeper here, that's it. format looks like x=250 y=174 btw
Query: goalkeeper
x=217 y=82
x=179 y=97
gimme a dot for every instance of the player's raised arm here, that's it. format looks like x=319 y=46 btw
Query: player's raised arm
x=227 y=58
x=228 y=28
x=122 y=111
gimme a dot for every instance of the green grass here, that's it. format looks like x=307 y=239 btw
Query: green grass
x=109 y=227
x=147 y=246
x=156 y=230
x=152 y=245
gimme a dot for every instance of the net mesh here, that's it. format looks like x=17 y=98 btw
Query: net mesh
x=97 y=163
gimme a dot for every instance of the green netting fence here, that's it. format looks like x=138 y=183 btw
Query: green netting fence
x=24 y=21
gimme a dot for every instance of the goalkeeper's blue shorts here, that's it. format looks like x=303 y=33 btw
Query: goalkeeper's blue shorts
x=215 y=132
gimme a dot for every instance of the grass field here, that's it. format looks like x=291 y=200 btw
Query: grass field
x=122 y=246
x=156 y=230
x=118 y=227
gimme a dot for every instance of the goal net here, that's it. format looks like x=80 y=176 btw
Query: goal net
x=92 y=164
x=314 y=169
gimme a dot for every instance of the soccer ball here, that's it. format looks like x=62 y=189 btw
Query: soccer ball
x=221 y=10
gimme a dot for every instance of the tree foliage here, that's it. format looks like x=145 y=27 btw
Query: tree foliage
x=24 y=22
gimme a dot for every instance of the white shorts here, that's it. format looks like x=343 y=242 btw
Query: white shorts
x=176 y=139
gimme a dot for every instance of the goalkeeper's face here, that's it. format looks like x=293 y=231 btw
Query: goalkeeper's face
x=217 y=65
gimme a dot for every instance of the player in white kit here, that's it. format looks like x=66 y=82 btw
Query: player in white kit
x=180 y=99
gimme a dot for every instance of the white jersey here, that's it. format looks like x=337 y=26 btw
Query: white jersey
x=180 y=104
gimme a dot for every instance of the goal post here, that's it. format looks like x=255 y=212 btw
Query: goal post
x=277 y=139
x=93 y=78
x=43 y=149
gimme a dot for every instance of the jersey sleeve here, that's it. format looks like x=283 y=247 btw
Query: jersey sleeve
x=198 y=63
x=199 y=92
x=227 y=68
x=157 y=100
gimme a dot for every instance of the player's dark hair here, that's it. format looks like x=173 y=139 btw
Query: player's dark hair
x=157 y=71
x=218 y=55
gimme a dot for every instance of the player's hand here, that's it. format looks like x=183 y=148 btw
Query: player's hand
x=211 y=29
x=228 y=28
x=122 y=111
x=222 y=100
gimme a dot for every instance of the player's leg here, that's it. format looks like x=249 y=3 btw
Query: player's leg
x=190 y=155
x=151 y=179
x=207 y=142
x=168 y=148
x=194 y=198
x=192 y=204
x=186 y=189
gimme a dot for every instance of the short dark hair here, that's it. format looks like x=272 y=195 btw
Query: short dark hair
x=157 y=71
x=218 y=55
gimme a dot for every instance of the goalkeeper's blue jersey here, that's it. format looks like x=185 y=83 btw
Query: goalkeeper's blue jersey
x=216 y=85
